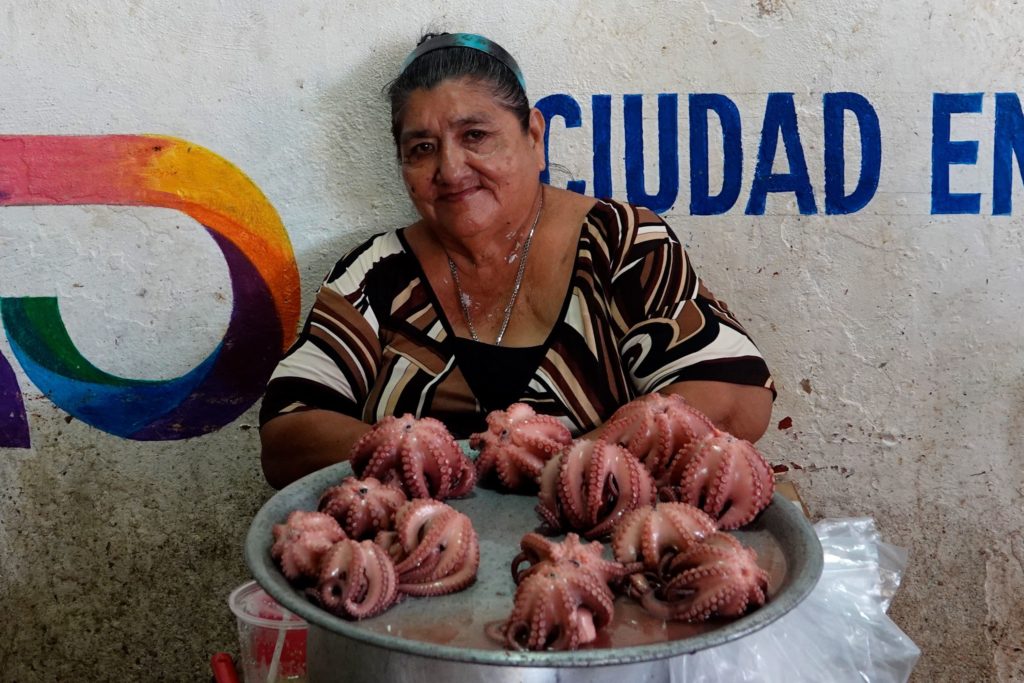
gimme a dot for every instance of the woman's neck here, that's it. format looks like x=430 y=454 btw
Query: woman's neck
x=490 y=249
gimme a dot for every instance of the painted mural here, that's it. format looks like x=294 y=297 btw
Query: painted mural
x=153 y=171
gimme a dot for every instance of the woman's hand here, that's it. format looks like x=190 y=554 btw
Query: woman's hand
x=297 y=444
x=740 y=409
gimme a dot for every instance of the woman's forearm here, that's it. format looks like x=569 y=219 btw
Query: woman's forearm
x=742 y=410
x=295 y=445
x=739 y=409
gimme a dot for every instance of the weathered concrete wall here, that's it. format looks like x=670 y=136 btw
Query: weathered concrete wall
x=894 y=331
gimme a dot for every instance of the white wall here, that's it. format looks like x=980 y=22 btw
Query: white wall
x=894 y=333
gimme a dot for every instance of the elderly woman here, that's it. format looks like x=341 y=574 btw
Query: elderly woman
x=504 y=290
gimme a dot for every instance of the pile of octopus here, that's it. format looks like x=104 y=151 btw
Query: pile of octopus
x=567 y=338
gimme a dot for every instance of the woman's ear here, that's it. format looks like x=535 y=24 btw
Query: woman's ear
x=536 y=135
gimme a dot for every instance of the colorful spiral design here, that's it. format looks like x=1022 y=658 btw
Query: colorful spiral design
x=146 y=170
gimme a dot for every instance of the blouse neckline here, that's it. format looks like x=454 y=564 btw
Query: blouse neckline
x=435 y=302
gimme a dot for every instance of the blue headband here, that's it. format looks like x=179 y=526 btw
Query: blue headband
x=470 y=40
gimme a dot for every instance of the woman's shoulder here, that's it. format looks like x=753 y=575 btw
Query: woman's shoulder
x=373 y=255
x=623 y=226
x=624 y=214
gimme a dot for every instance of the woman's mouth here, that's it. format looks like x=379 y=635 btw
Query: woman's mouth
x=458 y=195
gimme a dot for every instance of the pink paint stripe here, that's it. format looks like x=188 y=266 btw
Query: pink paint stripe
x=44 y=169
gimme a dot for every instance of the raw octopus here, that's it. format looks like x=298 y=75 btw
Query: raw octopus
x=668 y=556
x=300 y=543
x=363 y=507
x=652 y=535
x=589 y=486
x=558 y=608
x=517 y=444
x=423 y=548
x=357 y=580
x=563 y=598
x=536 y=550
x=717 y=578
x=435 y=548
x=724 y=476
x=655 y=428
x=419 y=454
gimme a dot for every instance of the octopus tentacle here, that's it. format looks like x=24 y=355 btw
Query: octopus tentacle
x=464 y=478
x=380 y=463
x=572 y=494
x=415 y=468
x=639 y=492
x=599 y=479
x=460 y=575
x=357 y=580
x=545 y=433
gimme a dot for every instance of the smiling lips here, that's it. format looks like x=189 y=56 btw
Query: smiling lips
x=458 y=195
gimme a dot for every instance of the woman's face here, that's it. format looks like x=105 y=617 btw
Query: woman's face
x=466 y=162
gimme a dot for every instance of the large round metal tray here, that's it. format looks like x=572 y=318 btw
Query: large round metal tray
x=452 y=627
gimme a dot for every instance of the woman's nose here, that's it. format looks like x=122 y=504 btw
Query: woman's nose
x=451 y=164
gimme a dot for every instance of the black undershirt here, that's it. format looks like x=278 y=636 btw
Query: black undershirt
x=497 y=375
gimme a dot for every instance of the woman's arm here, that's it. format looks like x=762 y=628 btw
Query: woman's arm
x=742 y=410
x=306 y=420
x=682 y=339
x=297 y=444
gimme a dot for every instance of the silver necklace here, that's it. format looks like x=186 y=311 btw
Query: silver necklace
x=515 y=288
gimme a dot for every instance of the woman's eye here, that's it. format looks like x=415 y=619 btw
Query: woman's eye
x=476 y=135
x=419 y=150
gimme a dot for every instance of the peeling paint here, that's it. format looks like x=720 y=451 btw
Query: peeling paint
x=767 y=8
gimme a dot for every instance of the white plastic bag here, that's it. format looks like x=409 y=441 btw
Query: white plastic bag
x=839 y=633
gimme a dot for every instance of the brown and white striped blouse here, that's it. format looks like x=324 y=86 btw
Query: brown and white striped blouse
x=635 y=319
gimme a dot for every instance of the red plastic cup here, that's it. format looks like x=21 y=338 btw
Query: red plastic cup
x=272 y=640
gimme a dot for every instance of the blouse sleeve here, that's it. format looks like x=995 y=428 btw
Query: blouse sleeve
x=334 y=361
x=676 y=329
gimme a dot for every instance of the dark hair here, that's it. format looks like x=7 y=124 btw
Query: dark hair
x=432 y=68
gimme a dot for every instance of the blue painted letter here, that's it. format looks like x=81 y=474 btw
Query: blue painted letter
x=569 y=109
x=668 y=152
x=946 y=152
x=602 y=113
x=780 y=116
x=836 y=105
x=701 y=202
x=1009 y=143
